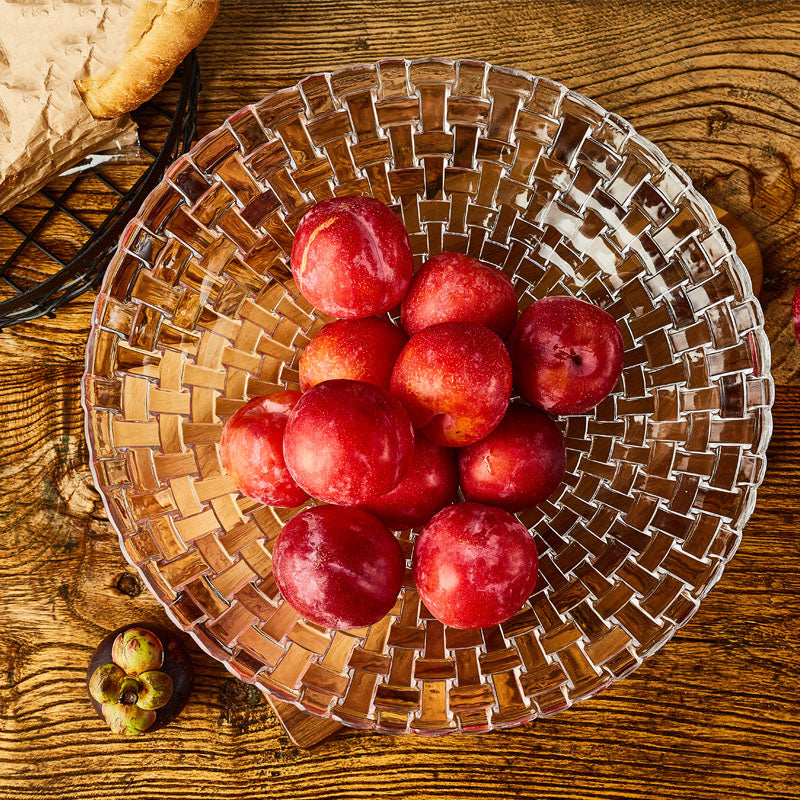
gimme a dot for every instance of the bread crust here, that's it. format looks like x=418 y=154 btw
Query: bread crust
x=163 y=33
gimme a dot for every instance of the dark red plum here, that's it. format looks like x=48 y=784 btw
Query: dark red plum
x=351 y=257
x=474 y=565
x=348 y=442
x=252 y=450
x=429 y=485
x=518 y=464
x=567 y=355
x=453 y=287
x=455 y=381
x=339 y=567
x=352 y=349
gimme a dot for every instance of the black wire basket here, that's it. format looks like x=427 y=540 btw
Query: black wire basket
x=62 y=243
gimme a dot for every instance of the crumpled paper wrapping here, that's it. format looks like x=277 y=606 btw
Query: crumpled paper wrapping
x=45 y=46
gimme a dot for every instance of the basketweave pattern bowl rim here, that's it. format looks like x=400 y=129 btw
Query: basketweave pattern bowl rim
x=759 y=342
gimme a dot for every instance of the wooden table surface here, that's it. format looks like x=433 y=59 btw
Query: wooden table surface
x=714 y=714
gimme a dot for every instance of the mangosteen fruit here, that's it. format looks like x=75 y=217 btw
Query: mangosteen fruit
x=139 y=678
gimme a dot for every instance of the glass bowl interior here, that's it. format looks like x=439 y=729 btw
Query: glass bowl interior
x=199 y=312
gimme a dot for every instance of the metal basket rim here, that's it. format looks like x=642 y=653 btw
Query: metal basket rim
x=83 y=270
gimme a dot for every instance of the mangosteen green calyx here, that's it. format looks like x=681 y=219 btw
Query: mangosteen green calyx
x=139 y=679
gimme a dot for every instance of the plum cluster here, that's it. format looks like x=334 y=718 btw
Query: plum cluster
x=393 y=419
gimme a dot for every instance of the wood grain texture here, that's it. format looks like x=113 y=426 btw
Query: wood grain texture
x=714 y=714
x=746 y=247
x=304 y=730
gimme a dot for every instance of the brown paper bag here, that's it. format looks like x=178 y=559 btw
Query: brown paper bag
x=118 y=52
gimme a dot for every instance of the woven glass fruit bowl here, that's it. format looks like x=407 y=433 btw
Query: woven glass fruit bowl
x=199 y=312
